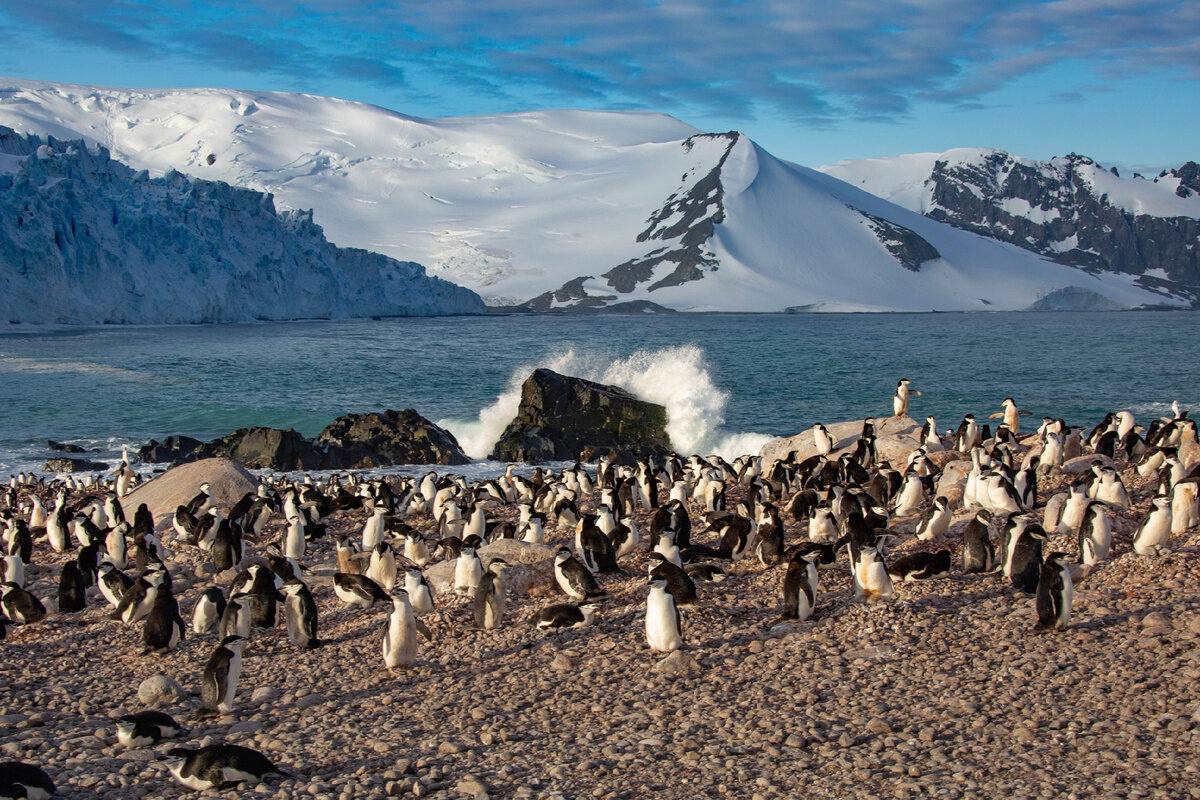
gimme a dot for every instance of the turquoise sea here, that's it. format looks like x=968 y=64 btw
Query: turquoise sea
x=729 y=381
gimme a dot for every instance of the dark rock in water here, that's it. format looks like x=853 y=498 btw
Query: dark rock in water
x=391 y=437
x=265 y=448
x=64 y=464
x=1074 y=298
x=59 y=447
x=561 y=418
x=173 y=449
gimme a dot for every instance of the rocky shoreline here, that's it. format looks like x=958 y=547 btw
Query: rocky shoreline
x=946 y=691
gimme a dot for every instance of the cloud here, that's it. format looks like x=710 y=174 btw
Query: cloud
x=798 y=59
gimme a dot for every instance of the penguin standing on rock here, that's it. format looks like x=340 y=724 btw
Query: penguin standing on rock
x=679 y=583
x=400 y=635
x=1055 y=593
x=663 y=627
x=163 y=630
x=900 y=397
x=978 y=552
x=300 y=615
x=491 y=596
x=72 y=592
x=573 y=577
x=420 y=593
x=219 y=683
x=800 y=586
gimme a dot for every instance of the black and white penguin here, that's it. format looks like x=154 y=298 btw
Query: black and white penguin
x=1026 y=566
x=258 y=586
x=226 y=547
x=978 y=552
x=769 y=543
x=663 y=625
x=219 y=682
x=163 y=630
x=1095 y=534
x=358 y=590
x=1154 y=531
x=235 y=619
x=934 y=523
x=21 y=607
x=72 y=592
x=420 y=593
x=679 y=583
x=565 y=615
x=967 y=435
x=573 y=577
x=1055 y=593
x=920 y=566
x=400 y=633
x=300 y=615
x=145 y=728
x=219 y=766
x=381 y=566
x=19 y=779
x=595 y=548
x=491 y=596
x=468 y=571
x=870 y=578
x=800 y=584
x=900 y=397
x=705 y=571
x=209 y=608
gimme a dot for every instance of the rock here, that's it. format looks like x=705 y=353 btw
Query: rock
x=227 y=481
x=564 y=418
x=173 y=449
x=64 y=464
x=160 y=690
x=310 y=700
x=59 y=447
x=952 y=481
x=895 y=438
x=876 y=725
x=562 y=663
x=392 y=437
x=472 y=787
x=1082 y=464
x=265 y=448
x=677 y=664
x=263 y=694
x=246 y=726
x=531 y=566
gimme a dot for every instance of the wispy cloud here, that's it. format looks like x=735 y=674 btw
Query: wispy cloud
x=797 y=59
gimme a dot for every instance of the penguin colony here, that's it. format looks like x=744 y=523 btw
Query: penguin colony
x=692 y=523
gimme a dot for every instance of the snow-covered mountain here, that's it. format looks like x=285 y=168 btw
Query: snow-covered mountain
x=564 y=209
x=86 y=240
x=1069 y=209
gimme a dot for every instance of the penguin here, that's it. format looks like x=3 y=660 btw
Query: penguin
x=625 y=538
x=294 y=541
x=235 y=620
x=565 y=615
x=573 y=577
x=468 y=571
x=978 y=553
x=163 y=629
x=1109 y=489
x=226 y=548
x=822 y=439
x=146 y=728
x=900 y=397
x=18 y=779
x=912 y=495
x=300 y=615
x=1095 y=534
x=219 y=766
x=769 y=543
x=400 y=633
x=349 y=558
x=374 y=527
x=13 y=570
x=1026 y=566
x=20 y=606
x=663 y=627
x=935 y=522
x=72 y=592
x=491 y=596
x=415 y=548
x=800 y=584
x=219 y=682
x=381 y=567
x=208 y=610
x=1011 y=415
x=1055 y=593
x=420 y=593
x=920 y=566
x=595 y=548
x=679 y=583
x=967 y=435
x=358 y=590
x=871 y=579
x=704 y=571
x=1153 y=532
x=283 y=567
x=261 y=593
x=822 y=527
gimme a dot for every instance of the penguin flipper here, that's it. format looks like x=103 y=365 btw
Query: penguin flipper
x=423 y=629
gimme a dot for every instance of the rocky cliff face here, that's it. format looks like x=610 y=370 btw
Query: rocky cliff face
x=86 y=240
x=565 y=418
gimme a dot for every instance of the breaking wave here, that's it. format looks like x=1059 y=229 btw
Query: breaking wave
x=675 y=377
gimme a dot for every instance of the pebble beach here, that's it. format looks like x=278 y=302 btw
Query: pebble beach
x=946 y=691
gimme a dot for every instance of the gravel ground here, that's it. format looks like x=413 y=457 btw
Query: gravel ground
x=945 y=692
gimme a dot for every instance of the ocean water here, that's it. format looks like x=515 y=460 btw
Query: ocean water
x=730 y=382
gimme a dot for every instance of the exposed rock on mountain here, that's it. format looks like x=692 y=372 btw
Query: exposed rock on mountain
x=565 y=418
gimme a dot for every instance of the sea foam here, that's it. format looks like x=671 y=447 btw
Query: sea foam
x=675 y=377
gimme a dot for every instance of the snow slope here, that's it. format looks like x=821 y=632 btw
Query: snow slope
x=86 y=240
x=564 y=208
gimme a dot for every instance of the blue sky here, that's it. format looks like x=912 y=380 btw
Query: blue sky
x=813 y=82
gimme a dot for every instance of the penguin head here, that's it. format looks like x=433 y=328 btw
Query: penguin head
x=233 y=642
x=292 y=588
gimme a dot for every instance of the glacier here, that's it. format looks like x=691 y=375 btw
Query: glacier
x=87 y=240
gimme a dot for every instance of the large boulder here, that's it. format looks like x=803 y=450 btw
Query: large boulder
x=895 y=439
x=226 y=480
x=565 y=418
x=65 y=464
x=173 y=449
x=392 y=437
x=530 y=567
x=265 y=448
